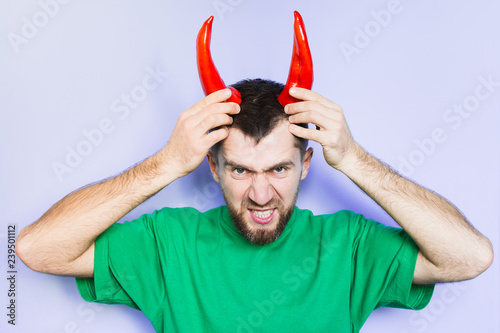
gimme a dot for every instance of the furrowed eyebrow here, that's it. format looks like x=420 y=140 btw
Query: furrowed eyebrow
x=234 y=165
x=285 y=164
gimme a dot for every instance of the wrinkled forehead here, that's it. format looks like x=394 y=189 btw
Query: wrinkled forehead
x=277 y=146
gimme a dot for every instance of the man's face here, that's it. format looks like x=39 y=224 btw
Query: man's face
x=260 y=182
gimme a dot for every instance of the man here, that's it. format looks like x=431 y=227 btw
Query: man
x=259 y=264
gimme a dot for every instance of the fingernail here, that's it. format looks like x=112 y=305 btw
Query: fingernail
x=292 y=90
x=286 y=108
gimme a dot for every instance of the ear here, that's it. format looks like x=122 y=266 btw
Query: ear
x=213 y=166
x=307 y=162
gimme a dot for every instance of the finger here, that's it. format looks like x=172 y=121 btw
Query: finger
x=312 y=117
x=305 y=133
x=213 y=121
x=218 y=96
x=215 y=136
x=309 y=95
x=214 y=115
x=298 y=107
x=229 y=108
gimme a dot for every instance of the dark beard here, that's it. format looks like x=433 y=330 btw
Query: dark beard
x=261 y=236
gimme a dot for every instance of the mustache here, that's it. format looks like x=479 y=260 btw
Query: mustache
x=275 y=202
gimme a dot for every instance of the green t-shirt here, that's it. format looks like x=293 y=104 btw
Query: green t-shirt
x=193 y=272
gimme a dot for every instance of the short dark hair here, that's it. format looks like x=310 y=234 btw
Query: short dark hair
x=260 y=111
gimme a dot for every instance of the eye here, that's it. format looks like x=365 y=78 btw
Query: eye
x=279 y=169
x=239 y=171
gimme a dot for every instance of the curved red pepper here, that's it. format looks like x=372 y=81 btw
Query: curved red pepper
x=301 y=67
x=209 y=76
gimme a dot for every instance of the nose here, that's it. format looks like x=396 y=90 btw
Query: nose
x=261 y=191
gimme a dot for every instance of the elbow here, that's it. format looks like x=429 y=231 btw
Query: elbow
x=469 y=265
x=479 y=262
x=485 y=258
x=40 y=256
x=26 y=251
x=22 y=248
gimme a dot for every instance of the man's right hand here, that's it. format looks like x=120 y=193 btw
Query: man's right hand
x=62 y=240
x=194 y=133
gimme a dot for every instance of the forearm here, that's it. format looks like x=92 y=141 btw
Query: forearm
x=444 y=236
x=61 y=241
x=450 y=248
x=71 y=226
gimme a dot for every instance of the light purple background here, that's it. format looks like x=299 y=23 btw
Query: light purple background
x=397 y=89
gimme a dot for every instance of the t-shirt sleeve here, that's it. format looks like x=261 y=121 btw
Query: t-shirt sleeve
x=127 y=266
x=384 y=260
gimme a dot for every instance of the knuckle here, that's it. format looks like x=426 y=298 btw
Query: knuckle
x=309 y=105
x=182 y=116
x=306 y=118
x=314 y=117
x=185 y=124
x=207 y=121
x=204 y=103
x=337 y=128
x=214 y=120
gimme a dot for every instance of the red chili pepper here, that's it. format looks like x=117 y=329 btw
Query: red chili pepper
x=209 y=76
x=301 y=67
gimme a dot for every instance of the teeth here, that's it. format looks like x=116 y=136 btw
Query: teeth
x=262 y=214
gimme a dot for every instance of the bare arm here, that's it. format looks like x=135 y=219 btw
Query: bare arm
x=450 y=248
x=61 y=241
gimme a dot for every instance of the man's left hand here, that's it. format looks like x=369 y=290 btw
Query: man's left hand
x=331 y=131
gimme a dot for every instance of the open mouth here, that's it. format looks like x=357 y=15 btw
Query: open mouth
x=262 y=216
